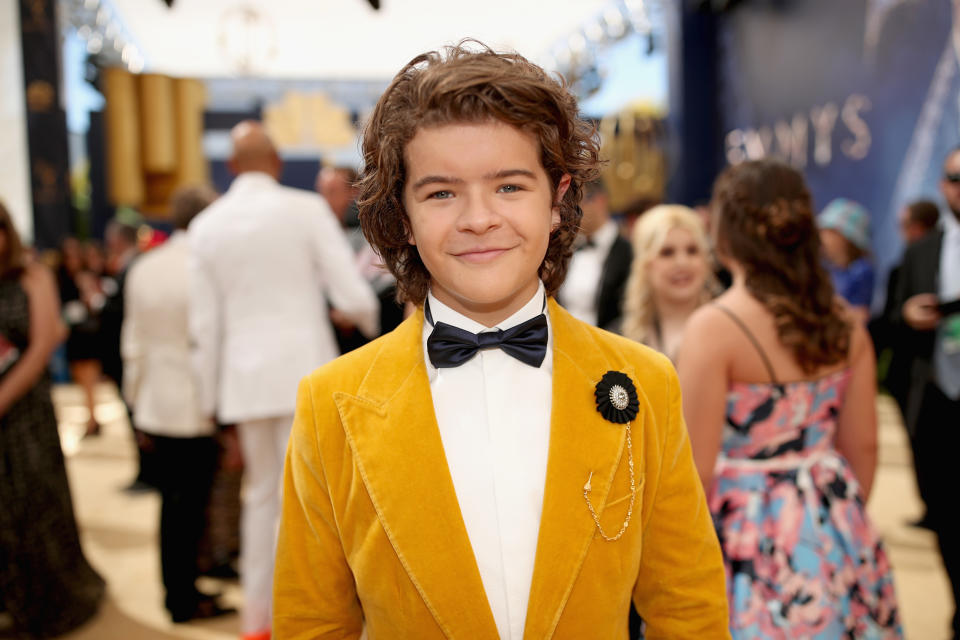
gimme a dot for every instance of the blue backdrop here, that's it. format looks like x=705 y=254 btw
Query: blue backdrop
x=860 y=94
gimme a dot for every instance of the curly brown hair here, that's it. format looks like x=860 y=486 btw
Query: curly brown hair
x=766 y=224
x=463 y=85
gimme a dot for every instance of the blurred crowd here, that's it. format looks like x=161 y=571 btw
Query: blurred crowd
x=207 y=331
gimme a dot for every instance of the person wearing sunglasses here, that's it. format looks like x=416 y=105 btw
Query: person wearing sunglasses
x=928 y=304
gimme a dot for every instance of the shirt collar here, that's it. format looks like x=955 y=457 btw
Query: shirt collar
x=951 y=226
x=604 y=236
x=252 y=178
x=443 y=313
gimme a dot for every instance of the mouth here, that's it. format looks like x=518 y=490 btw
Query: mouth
x=681 y=280
x=481 y=254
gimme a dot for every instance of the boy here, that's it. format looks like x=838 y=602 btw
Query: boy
x=493 y=467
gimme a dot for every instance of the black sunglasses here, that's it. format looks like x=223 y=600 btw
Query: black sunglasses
x=953 y=178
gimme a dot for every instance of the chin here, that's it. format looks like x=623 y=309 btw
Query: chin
x=684 y=297
x=488 y=299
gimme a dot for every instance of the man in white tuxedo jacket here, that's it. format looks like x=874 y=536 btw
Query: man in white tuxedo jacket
x=160 y=385
x=265 y=260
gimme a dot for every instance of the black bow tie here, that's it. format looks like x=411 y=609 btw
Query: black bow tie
x=450 y=346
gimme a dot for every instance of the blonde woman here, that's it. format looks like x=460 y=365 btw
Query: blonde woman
x=669 y=278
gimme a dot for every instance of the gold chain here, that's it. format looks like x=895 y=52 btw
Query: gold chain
x=633 y=493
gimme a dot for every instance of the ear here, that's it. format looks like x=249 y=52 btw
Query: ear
x=411 y=239
x=562 y=187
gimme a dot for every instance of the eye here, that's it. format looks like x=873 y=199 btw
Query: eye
x=693 y=250
x=440 y=195
x=666 y=252
x=509 y=188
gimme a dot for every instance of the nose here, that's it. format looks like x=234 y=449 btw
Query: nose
x=477 y=215
x=680 y=258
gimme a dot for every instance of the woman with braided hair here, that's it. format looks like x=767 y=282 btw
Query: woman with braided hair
x=779 y=392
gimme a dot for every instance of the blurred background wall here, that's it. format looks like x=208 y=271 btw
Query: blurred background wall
x=860 y=94
x=14 y=160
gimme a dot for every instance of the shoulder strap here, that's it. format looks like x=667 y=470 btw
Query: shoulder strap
x=753 y=340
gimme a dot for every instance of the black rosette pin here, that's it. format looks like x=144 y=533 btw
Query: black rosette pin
x=617 y=397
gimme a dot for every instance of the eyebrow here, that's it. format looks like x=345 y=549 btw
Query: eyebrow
x=506 y=173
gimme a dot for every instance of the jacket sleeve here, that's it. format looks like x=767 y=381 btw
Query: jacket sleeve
x=681 y=587
x=349 y=292
x=131 y=346
x=314 y=594
x=205 y=328
x=901 y=291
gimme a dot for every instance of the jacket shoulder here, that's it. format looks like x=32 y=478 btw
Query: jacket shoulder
x=924 y=248
x=621 y=249
x=301 y=198
x=346 y=372
x=203 y=221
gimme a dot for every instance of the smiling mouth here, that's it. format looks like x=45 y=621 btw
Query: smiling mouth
x=480 y=255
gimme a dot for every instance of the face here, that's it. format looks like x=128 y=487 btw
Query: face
x=481 y=209
x=72 y=255
x=335 y=189
x=93 y=258
x=949 y=188
x=678 y=271
x=910 y=231
x=834 y=247
x=595 y=213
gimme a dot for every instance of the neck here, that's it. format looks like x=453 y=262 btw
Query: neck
x=673 y=312
x=737 y=273
x=596 y=227
x=489 y=315
x=256 y=169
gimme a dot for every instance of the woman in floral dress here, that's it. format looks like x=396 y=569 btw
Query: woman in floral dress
x=779 y=396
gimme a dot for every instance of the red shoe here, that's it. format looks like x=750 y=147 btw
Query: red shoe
x=259 y=635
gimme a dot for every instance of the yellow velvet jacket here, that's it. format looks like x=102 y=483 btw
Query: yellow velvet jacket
x=371 y=533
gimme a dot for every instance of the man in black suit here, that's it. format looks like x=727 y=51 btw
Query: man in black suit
x=915 y=220
x=598 y=271
x=930 y=275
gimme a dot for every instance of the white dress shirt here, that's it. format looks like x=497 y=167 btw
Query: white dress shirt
x=578 y=294
x=950 y=258
x=159 y=381
x=946 y=355
x=494 y=418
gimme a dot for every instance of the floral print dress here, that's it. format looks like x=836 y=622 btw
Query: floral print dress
x=802 y=558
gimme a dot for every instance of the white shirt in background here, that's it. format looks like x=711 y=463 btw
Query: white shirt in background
x=950 y=258
x=578 y=294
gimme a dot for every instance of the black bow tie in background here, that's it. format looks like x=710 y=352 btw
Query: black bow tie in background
x=450 y=346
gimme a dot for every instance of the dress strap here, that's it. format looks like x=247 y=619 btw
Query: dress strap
x=753 y=340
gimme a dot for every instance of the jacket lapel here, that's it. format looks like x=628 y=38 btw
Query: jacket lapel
x=392 y=431
x=581 y=442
